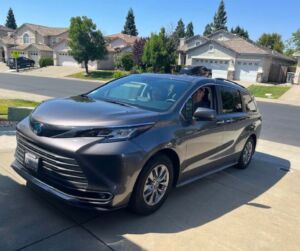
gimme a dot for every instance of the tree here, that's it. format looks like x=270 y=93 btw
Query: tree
x=159 y=52
x=271 y=40
x=293 y=44
x=178 y=33
x=138 y=50
x=180 y=29
x=189 y=30
x=86 y=42
x=10 y=20
x=220 y=18
x=207 y=30
x=219 y=21
x=240 y=31
x=129 y=27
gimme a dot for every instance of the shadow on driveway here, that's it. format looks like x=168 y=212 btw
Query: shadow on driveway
x=26 y=218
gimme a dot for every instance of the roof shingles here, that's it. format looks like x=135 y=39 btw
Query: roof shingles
x=46 y=31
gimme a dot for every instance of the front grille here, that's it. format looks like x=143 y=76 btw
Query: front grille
x=56 y=170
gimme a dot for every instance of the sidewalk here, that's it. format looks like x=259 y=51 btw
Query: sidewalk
x=9 y=94
x=292 y=95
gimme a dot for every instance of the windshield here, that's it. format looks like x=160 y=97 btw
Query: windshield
x=148 y=92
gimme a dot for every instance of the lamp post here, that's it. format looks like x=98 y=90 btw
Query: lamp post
x=15 y=54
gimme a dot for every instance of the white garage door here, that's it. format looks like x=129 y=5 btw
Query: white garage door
x=34 y=55
x=246 y=70
x=218 y=67
x=64 y=59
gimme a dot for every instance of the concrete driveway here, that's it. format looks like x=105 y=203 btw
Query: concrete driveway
x=50 y=71
x=3 y=67
x=253 y=209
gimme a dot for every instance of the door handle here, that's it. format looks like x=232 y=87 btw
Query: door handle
x=220 y=122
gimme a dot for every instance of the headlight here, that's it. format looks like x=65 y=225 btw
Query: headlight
x=115 y=133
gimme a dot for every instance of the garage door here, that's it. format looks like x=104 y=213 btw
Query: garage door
x=64 y=59
x=34 y=55
x=218 y=67
x=246 y=70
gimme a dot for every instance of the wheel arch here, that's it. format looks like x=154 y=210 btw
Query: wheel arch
x=173 y=156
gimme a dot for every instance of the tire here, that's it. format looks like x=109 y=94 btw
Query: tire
x=144 y=202
x=246 y=154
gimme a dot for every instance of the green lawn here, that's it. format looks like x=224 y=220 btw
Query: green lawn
x=5 y=103
x=99 y=75
x=261 y=90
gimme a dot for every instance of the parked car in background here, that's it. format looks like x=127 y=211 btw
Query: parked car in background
x=128 y=142
x=196 y=71
x=22 y=62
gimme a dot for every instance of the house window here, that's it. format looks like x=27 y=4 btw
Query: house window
x=26 y=38
x=211 y=48
x=53 y=40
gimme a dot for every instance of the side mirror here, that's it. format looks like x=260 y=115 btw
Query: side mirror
x=202 y=113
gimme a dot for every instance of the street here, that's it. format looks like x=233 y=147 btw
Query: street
x=252 y=209
x=281 y=122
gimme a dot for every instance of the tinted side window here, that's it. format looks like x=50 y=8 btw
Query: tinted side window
x=249 y=102
x=187 y=110
x=204 y=97
x=231 y=100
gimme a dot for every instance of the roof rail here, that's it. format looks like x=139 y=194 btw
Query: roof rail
x=224 y=79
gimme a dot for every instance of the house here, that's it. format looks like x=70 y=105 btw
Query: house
x=116 y=43
x=297 y=74
x=32 y=41
x=233 y=57
x=36 y=41
x=3 y=33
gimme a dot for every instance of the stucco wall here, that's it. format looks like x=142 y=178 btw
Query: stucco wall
x=20 y=33
x=108 y=63
x=118 y=43
x=297 y=74
x=219 y=52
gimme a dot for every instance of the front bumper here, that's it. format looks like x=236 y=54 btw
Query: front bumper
x=82 y=172
x=83 y=202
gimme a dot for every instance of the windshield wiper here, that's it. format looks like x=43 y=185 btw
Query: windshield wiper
x=117 y=102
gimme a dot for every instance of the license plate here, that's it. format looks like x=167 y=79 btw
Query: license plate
x=31 y=162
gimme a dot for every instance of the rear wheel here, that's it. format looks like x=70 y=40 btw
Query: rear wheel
x=153 y=186
x=247 y=153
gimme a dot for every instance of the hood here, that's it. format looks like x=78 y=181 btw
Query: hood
x=85 y=111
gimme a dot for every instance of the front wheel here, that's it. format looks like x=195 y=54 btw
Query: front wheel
x=247 y=153
x=153 y=186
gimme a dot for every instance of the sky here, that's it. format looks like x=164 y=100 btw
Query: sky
x=257 y=16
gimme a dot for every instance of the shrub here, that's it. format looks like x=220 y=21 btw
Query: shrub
x=43 y=62
x=127 y=61
x=119 y=74
x=135 y=70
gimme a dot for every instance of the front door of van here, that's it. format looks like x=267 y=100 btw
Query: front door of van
x=203 y=139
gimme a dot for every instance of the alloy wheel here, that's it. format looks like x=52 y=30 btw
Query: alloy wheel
x=248 y=150
x=156 y=185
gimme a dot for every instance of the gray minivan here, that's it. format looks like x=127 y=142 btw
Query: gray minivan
x=128 y=142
